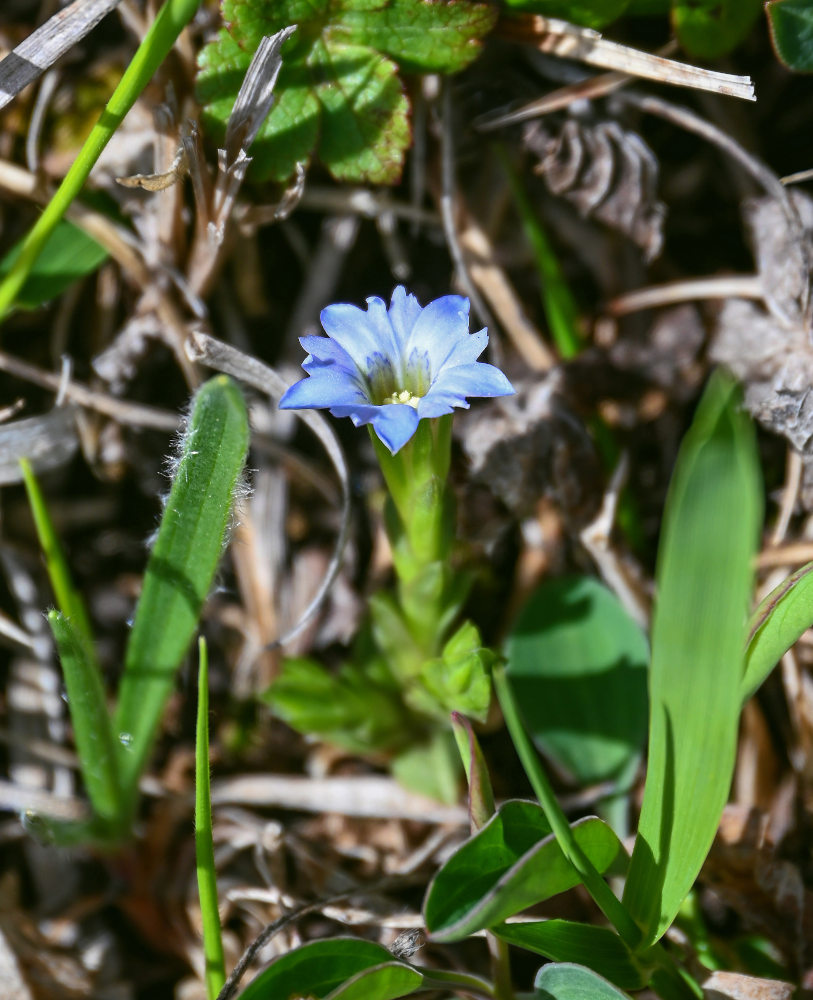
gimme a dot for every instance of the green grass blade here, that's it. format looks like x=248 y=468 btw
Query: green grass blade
x=204 y=846
x=181 y=567
x=92 y=729
x=560 y=307
x=67 y=596
x=784 y=615
x=171 y=19
x=710 y=532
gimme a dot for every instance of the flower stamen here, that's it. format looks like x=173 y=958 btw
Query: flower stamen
x=404 y=396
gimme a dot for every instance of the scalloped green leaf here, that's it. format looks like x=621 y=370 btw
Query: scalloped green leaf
x=510 y=864
x=588 y=13
x=791 y=23
x=710 y=28
x=339 y=90
x=335 y=969
x=567 y=941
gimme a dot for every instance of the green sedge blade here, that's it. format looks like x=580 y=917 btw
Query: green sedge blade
x=67 y=596
x=181 y=567
x=204 y=846
x=93 y=732
x=784 y=615
x=704 y=576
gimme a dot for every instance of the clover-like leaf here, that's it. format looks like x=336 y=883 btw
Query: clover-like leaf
x=339 y=85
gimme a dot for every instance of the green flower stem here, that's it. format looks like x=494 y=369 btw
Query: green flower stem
x=421 y=528
x=171 y=19
x=204 y=847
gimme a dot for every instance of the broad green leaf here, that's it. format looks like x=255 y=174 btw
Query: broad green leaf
x=589 y=13
x=68 y=255
x=791 y=23
x=578 y=666
x=92 y=728
x=510 y=864
x=573 y=982
x=335 y=969
x=181 y=566
x=710 y=28
x=339 y=86
x=704 y=579
x=566 y=941
x=777 y=623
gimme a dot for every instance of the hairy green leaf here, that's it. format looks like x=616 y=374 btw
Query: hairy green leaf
x=791 y=23
x=181 y=566
x=704 y=577
x=335 y=969
x=511 y=863
x=710 y=28
x=566 y=941
x=578 y=666
x=339 y=85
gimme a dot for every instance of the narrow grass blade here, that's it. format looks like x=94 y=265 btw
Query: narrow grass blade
x=560 y=307
x=181 y=567
x=776 y=624
x=92 y=729
x=67 y=596
x=204 y=846
x=704 y=575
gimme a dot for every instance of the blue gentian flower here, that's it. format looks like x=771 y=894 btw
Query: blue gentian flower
x=394 y=367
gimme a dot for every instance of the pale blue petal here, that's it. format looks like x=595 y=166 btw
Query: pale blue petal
x=395 y=424
x=472 y=380
x=466 y=350
x=388 y=342
x=438 y=329
x=352 y=329
x=327 y=351
x=404 y=311
x=437 y=404
x=321 y=389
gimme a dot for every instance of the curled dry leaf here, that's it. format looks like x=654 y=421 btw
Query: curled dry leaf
x=607 y=172
x=531 y=445
x=770 y=349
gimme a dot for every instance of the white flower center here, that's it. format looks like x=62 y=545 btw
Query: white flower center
x=404 y=396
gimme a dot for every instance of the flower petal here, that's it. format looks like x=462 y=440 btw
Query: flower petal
x=327 y=351
x=362 y=334
x=440 y=326
x=466 y=351
x=404 y=311
x=394 y=423
x=326 y=387
x=472 y=380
